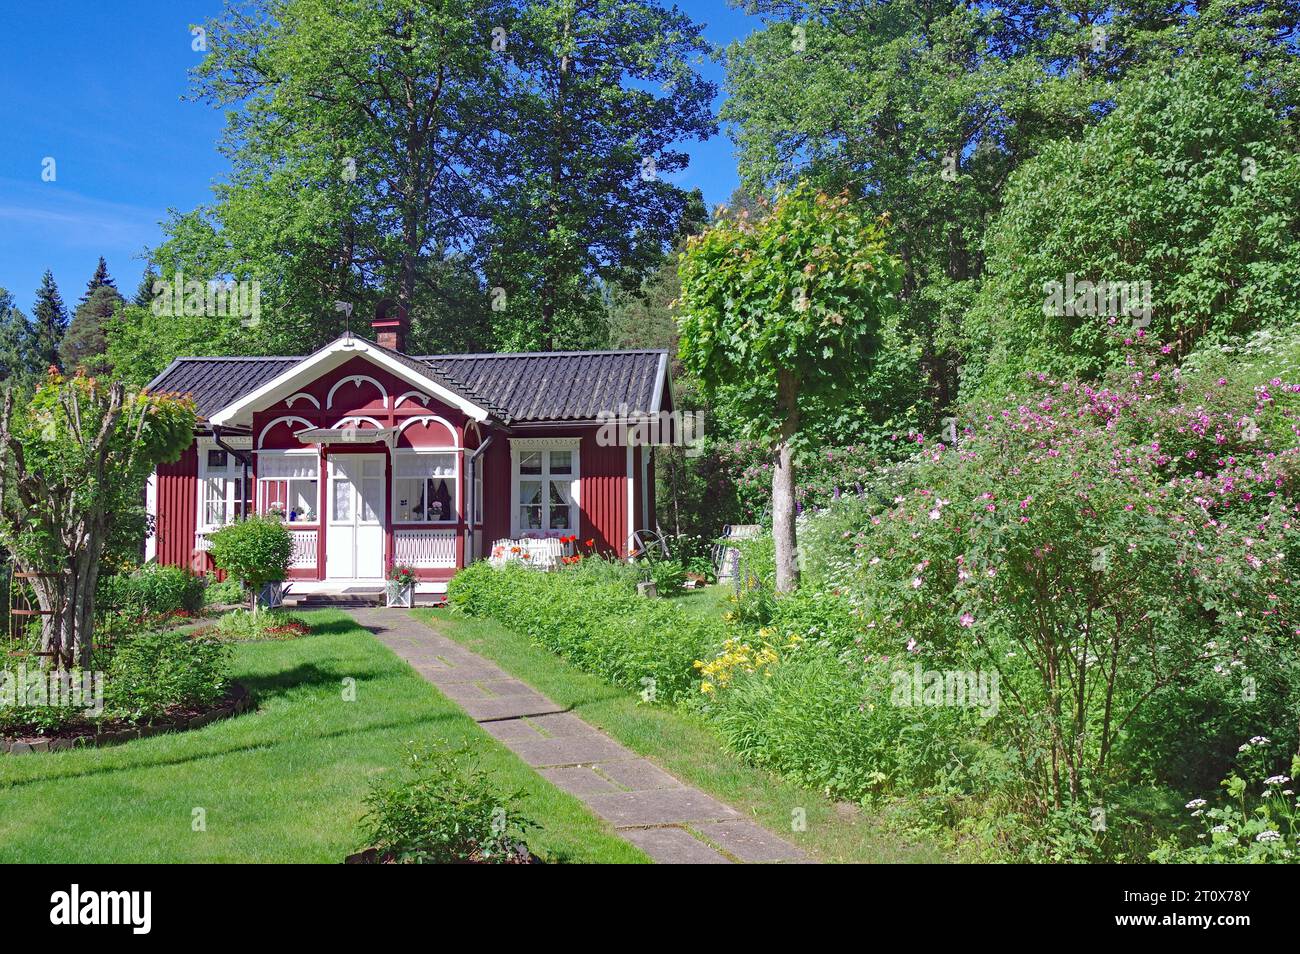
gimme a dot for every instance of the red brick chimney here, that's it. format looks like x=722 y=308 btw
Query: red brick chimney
x=390 y=325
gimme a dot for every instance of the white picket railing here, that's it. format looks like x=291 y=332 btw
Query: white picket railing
x=424 y=549
x=303 y=556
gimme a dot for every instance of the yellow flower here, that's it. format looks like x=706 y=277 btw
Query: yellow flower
x=706 y=687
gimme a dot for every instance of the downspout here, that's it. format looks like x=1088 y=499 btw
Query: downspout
x=473 y=503
x=240 y=456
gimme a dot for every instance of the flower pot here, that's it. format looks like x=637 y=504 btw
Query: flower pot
x=400 y=594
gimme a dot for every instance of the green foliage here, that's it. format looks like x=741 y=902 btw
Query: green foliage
x=1250 y=827
x=152 y=591
x=223 y=593
x=49 y=325
x=85 y=345
x=243 y=626
x=591 y=615
x=1190 y=185
x=149 y=673
x=803 y=292
x=439 y=807
x=255 y=551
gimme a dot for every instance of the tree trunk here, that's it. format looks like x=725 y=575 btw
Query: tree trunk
x=783 y=524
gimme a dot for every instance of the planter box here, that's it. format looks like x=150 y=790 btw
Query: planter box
x=271 y=596
x=400 y=594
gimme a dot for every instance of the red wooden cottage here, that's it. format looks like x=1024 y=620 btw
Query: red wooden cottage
x=377 y=458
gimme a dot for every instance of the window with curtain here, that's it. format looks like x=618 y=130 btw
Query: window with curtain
x=546 y=490
x=221 y=485
x=424 y=488
x=288 y=484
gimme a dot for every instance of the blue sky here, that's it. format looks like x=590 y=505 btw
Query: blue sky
x=97 y=87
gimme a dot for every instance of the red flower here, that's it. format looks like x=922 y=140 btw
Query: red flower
x=591 y=542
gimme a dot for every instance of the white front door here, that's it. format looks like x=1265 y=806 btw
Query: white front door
x=354 y=544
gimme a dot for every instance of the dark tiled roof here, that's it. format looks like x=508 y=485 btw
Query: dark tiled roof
x=558 y=385
x=215 y=382
x=522 y=388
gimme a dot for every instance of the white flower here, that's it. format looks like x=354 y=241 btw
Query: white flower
x=1196 y=803
x=916 y=583
x=1277 y=780
x=935 y=514
x=1259 y=740
x=1268 y=836
x=1219 y=830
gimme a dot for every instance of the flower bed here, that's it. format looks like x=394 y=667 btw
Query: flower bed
x=74 y=736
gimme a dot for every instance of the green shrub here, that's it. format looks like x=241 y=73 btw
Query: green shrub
x=224 y=593
x=151 y=672
x=825 y=719
x=591 y=615
x=255 y=551
x=440 y=808
x=150 y=592
x=242 y=626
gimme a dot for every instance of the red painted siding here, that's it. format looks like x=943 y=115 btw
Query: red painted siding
x=177 y=502
x=603 y=489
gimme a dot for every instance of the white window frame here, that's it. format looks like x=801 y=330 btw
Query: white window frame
x=262 y=482
x=524 y=445
x=456 y=498
x=232 y=474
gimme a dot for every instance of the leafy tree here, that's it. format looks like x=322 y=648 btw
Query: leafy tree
x=86 y=343
x=144 y=292
x=926 y=108
x=73 y=459
x=600 y=93
x=256 y=551
x=345 y=178
x=49 y=325
x=783 y=311
x=1179 y=213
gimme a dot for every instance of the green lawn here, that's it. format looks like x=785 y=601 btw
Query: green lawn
x=685 y=745
x=283 y=784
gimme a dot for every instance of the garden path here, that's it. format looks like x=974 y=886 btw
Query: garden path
x=671 y=822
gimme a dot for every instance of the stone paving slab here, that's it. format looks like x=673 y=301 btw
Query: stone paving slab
x=749 y=842
x=663 y=807
x=570 y=750
x=638 y=775
x=647 y=806
x=578 y=780
x=512 y=707
x=673 y=846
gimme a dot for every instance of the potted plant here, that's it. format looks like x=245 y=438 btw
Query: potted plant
x=256 y=551
x=400 y=590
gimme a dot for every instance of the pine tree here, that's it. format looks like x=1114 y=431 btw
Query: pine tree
x=144 y=291
x=49 y=325
x=15 y=336
x=86 y=343
x=101 y=279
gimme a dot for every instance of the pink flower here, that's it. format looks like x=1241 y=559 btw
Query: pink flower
x=966 y=620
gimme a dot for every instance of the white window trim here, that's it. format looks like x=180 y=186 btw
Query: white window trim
x=311 y=452
x=233 y=465
x=456 y=453
x=521 y=445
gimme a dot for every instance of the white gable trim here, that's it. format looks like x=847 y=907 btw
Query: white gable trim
x=326 y=359
x=261 y=438
x=425 y=419
x=301 y=396
x=420 y=396
x=355 y=379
